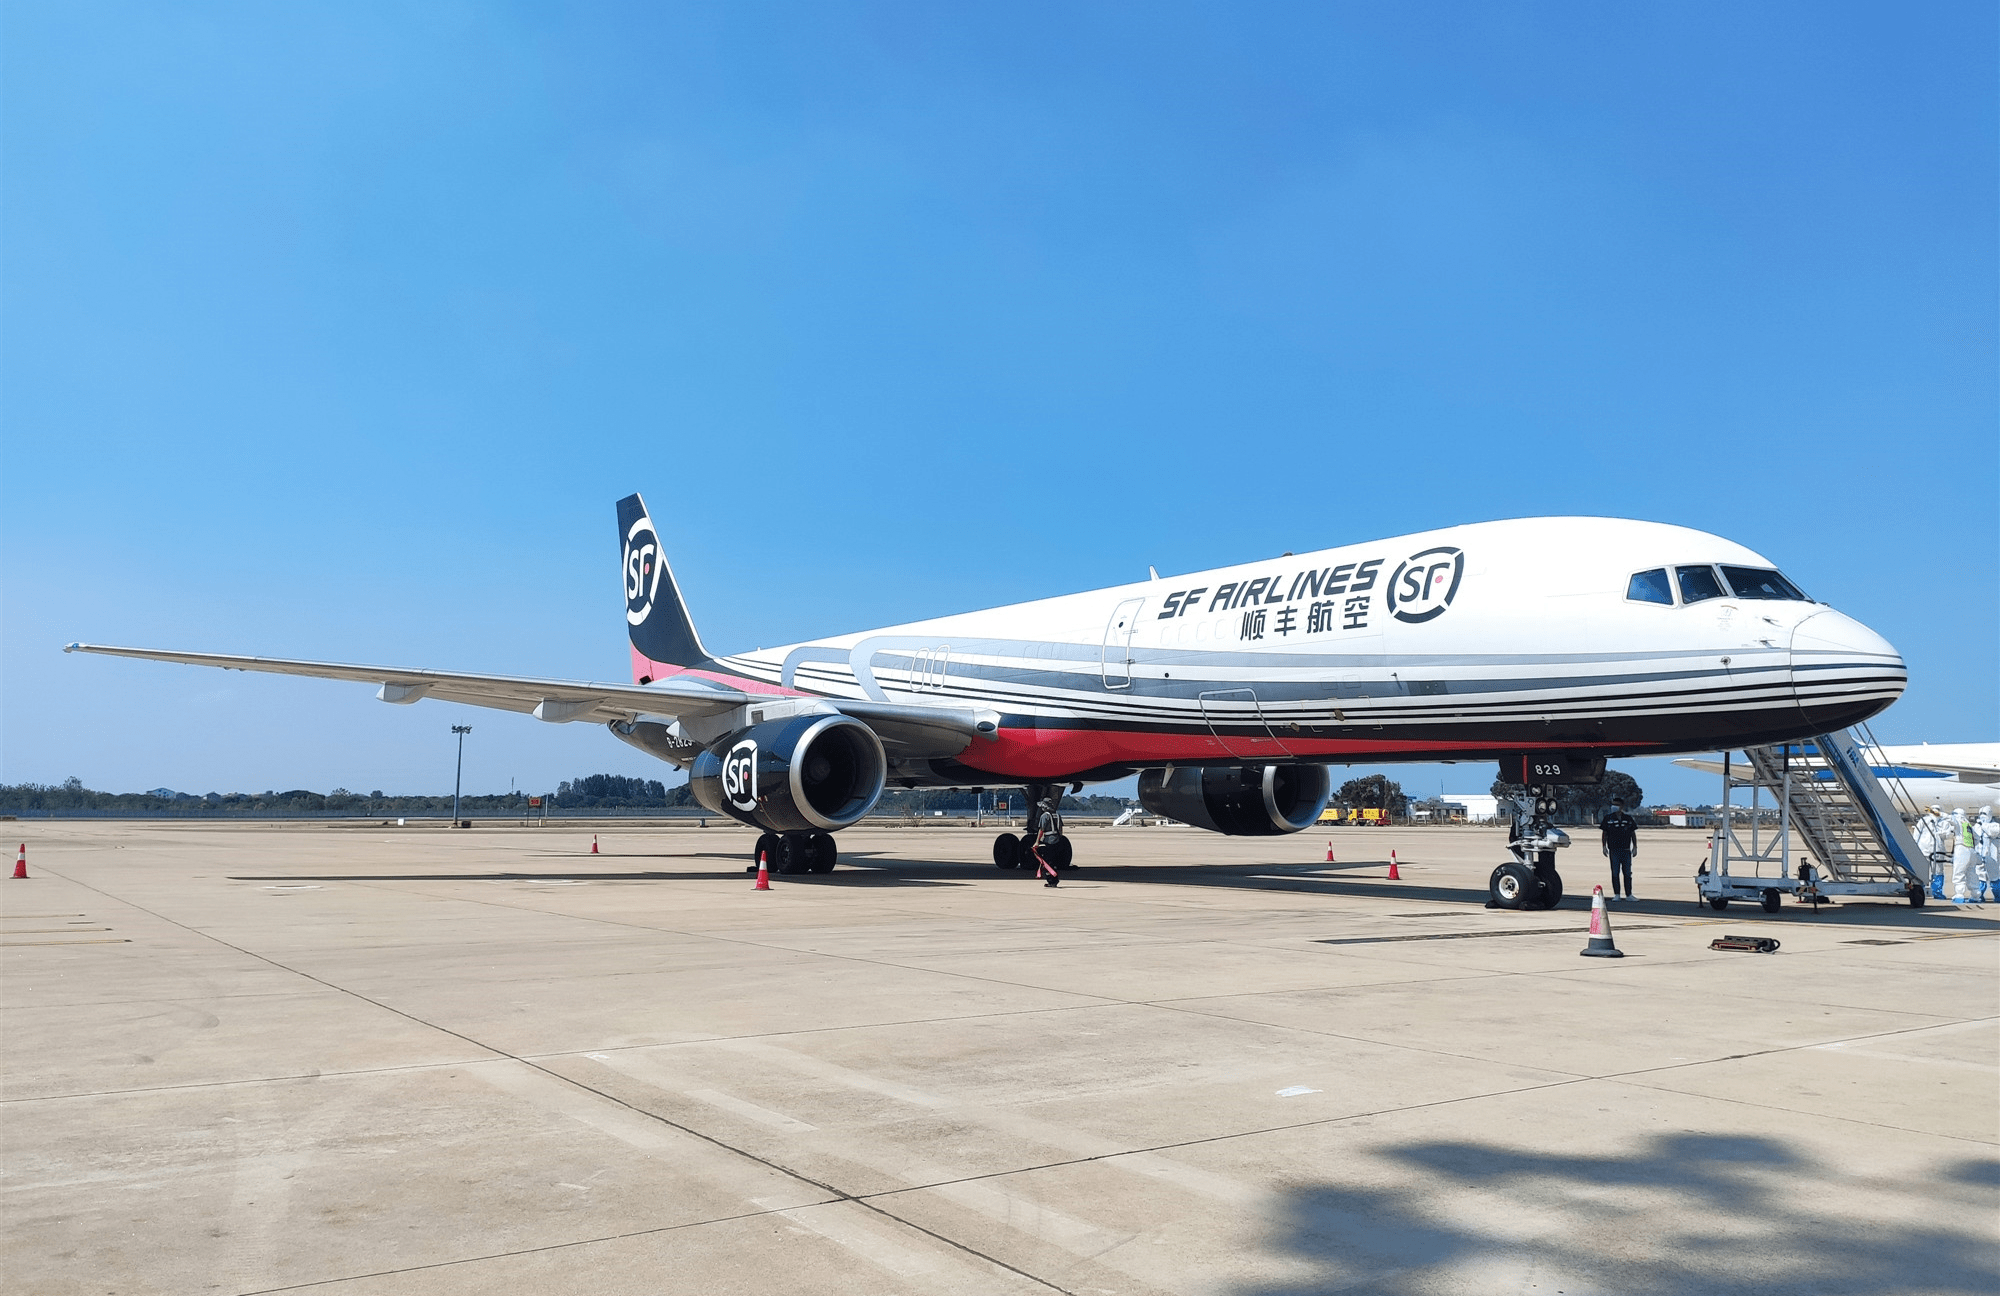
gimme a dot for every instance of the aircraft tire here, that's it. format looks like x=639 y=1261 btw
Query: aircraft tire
x=1060 y=853
x=1007 y=851
x=1770 y=900
x=1552 y=887
x=1513 y=887
x=769 y=849
x=794 y=854
x=825 y=853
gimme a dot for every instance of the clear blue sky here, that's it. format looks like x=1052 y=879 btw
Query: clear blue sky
x=334 y=330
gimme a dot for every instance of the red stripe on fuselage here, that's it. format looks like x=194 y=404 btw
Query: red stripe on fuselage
x=645 y=670
x=1052 y=753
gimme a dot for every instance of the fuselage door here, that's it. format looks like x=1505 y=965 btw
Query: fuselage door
x=1118 y=632
x=1239 y=726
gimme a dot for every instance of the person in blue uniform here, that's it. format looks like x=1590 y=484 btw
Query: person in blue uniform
x=1621 y=842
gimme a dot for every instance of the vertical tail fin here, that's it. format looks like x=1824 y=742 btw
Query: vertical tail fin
x=664 y=641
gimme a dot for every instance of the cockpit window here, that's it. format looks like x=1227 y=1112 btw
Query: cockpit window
x=1651 y=587
x=1761 y=583
x=1698 y=583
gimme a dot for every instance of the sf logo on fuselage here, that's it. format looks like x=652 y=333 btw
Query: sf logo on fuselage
x=739 y=776
x=642 y=570
x=1424 y=586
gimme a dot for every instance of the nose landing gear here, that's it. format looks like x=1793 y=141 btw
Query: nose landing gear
x=1531 y=880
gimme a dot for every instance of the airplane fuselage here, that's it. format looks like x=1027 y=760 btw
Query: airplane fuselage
x=1463 y=643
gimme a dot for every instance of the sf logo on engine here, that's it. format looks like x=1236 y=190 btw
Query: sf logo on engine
x=642 y=570
x=739 y=776
x=1424 y=586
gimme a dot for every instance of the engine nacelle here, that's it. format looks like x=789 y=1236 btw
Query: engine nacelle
x=1238 y=800
x=805 y=773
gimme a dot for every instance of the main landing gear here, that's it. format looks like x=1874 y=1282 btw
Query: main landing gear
x=795 y=852
x=1044 y=822
x=1531 y=880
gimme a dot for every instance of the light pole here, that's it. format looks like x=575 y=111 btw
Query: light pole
x=458 y=781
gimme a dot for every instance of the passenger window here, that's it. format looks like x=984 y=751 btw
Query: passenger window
x=1698 y=583
x=1761 y=583
x=1651 y=587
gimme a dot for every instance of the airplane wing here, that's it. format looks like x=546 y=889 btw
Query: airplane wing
x=912 y=731
x=556 y=701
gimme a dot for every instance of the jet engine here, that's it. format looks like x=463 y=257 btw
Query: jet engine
x=1238 y=800
x=802 y=774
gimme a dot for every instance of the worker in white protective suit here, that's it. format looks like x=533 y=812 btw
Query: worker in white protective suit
x=1931 y=840
x=1965 y=887
x=1986 y=853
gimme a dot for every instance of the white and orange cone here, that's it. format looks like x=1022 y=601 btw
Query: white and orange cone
x=1601 y=944
x=21 y=863
x=1395 y=874
x=593 y=843
x=763 y=874
x=1329 y=850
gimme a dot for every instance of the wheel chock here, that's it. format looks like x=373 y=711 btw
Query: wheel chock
x=1747 y=944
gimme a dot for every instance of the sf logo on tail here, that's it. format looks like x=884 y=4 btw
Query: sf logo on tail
x=642 y=570
x=739 y=776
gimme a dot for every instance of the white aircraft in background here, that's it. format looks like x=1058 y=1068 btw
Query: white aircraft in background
x=1954 y=776
x=1547 y=644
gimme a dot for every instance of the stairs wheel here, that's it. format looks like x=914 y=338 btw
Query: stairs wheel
x=1770 y=900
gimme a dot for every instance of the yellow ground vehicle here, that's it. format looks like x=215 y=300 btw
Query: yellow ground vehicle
x=1363 y=815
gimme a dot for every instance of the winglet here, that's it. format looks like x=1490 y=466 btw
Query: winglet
x=664 y=641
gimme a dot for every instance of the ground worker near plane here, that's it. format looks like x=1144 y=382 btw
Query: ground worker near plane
x=1986 y=854
x=1620 y=839
x=1936 y=846
x=1964 y=877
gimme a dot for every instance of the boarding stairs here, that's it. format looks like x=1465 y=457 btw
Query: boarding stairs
x=1824 y=792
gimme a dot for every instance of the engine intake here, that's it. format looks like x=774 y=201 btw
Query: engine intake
x=805 y=773
x=1238 y=800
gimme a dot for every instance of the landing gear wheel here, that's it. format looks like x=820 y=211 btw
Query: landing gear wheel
x=794 y=853
x=1513 y=886
x=823 y=851
x=1058 y=853
x=1007 y=851
x=768 y=850
x=1552 y=887
x=1718 y=903
x=1770 y=900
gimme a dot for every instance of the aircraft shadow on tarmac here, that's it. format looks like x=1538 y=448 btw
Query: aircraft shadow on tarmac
x=1437 y=1233
x=869 y=869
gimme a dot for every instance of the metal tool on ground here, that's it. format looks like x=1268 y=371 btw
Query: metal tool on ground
x=1823 y=790
x=21 y=862
x=1395 y=874
x=1600 y=944
x=763 y=874
x=1747 y=944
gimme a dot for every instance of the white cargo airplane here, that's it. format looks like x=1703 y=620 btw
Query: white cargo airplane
x=1953 y=776
x=1547 y=644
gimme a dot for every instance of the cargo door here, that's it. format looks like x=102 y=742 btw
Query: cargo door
x=1239 y=726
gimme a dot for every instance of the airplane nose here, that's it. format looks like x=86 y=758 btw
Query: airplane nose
x=1843 y=672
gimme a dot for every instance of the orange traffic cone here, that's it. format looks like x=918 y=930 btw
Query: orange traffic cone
x=1329 y=850
x=1395 y=874
x=763 y=874
x=593 y=843
x=1601 y=944
x=21 y=864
